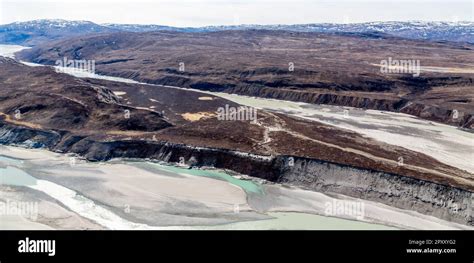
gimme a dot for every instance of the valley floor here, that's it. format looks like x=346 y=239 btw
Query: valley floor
x=127 y=194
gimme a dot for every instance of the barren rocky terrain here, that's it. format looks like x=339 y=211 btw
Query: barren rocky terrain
x=337 y=69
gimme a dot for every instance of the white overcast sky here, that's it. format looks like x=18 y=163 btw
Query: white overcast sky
x=228 y=12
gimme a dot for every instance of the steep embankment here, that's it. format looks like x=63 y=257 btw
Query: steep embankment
x=445 y=202
x=461 y=115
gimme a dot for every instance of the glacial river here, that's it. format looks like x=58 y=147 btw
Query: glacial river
x=16 y=172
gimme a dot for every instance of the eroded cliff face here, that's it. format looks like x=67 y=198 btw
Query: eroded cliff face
x=445 y=202
x=33 y=138
x=451 y=115
x=455 y=117
x=449 y=203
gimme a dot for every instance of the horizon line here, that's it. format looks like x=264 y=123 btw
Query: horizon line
x=232 y=25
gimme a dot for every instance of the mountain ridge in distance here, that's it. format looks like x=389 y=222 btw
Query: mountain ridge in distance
x=31 y=33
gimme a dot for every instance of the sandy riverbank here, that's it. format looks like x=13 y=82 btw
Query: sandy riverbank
x=147 y=195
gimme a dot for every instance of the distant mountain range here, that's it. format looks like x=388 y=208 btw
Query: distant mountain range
x=31 y=33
